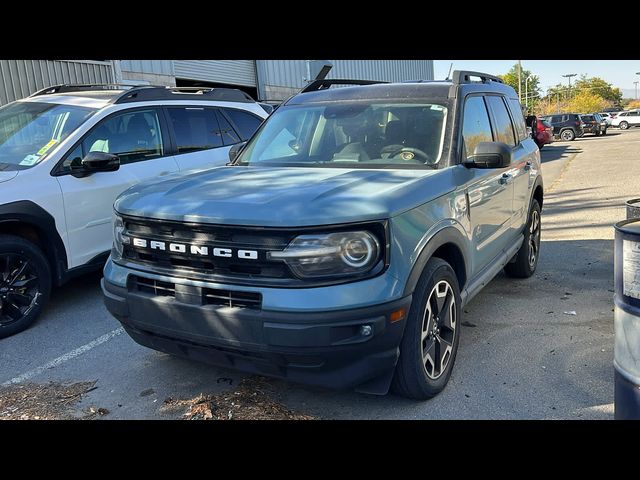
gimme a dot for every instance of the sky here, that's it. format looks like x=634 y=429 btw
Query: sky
x=620 y=73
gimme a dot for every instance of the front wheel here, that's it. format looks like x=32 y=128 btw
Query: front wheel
x=598 y=132
x=25 y=284
x=430 y=342
x=526 y=260
x=623 y=125
x=567 y=135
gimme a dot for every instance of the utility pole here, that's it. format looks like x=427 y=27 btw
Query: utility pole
x=569 y=75
x=636 y=84
x=526 y=91
x=520 y=80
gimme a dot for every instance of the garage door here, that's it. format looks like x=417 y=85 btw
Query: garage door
x=236 y=72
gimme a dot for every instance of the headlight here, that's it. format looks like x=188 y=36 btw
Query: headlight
x=119 y=238
x=331 y=254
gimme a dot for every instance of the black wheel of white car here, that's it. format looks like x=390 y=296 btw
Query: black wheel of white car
x=567 y=135
x=25 y=283
x=623 y=125
x=526 y=260
x=430 y=342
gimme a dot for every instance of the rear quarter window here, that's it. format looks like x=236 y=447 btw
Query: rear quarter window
x=518 y=118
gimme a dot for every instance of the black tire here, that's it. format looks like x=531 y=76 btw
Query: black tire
x=25 y=284
x=568 y=135
x=411 y=379
x=604 y=132
x=623 y=125
x=598 y=132
x=525 y=262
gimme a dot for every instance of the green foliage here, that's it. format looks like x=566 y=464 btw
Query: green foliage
x=532 y=90
x=599 y=87
x=586 y=101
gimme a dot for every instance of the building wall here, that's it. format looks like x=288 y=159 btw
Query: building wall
x=153 y=72
x=21 y=78
x=279 y=79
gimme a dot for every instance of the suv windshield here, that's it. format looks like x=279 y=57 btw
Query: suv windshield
x=358 y=134
x=30 y=130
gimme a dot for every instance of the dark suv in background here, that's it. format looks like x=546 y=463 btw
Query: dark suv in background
x=566 y=126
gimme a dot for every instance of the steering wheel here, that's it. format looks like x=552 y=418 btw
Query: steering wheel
x=409 y=153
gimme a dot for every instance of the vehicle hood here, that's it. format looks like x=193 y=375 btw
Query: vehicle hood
x=263 y=196
x=5 y=176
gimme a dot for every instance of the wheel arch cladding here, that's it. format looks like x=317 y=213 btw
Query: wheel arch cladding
x=28 y=220
x=448 y=245
x=538 y=194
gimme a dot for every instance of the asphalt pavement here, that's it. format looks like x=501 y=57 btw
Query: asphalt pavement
x=535 y=348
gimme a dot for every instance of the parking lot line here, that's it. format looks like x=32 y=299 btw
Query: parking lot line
x=66 y=357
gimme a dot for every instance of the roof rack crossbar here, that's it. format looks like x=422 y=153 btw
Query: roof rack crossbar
x=464 y=76
x=326 y=83
x=79 y=87
x=178 y=93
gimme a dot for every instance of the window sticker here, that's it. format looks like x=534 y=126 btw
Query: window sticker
x=631 y=269
x=30 y=160
x=46 y=148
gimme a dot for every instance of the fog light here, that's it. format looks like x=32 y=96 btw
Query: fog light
x=365 y=330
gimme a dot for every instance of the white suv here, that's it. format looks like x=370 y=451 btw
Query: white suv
x=68 y=151
x=624 y=120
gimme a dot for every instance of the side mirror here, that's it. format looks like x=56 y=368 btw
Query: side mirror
x=490 y=155
x=95 y=162
x=235 y=151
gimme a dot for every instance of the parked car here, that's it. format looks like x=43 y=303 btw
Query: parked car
x=567 y=126
x=66 y=152
x=544 y=133
x=602 y=122
x=607 y=116
x=363 y=219
x=591 y=124
x=624 y=120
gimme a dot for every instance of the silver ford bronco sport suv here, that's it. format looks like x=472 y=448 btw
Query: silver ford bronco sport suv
x=341 y=243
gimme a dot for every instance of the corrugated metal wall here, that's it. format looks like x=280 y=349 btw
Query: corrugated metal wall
x=158 y=67
x=237 y=72
x=291 y=73
x=20 y=78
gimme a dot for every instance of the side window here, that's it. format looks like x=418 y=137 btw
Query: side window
x=556 y=119
x=476 y=127
x=633 y=114
x=134 y=136
x=229 y=135
x=503 y=127
x=247 y=123
x=518 y=118
x=195 y=128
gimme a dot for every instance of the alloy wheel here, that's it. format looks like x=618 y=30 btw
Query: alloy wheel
x=534 y=238
x=439 y=325
x=19 y=287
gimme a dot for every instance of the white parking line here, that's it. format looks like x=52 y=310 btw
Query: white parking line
x=66 y=357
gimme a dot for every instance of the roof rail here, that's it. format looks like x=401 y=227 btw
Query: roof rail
x=463 y=76
x=79 y=87
x=326 y=83
x=142 y=93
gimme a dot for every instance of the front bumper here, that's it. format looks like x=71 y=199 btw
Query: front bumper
x=319 y=348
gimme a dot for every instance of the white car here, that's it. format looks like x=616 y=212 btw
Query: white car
x=68 y=151
x=607 y=117
x=624 y=120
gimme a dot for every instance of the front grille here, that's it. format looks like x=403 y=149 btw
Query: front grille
x=232 y=298
x=236 y=238
x=154 y=287
x=199 y=295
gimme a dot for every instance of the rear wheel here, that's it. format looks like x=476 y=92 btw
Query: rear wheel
x=598 y=132
x=567 y=135
x=623 y=125
x=430 y=342
x=25 y=284
x=604 y=132
x=526 y=260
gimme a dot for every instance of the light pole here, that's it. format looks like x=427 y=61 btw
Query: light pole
x=636 y=84
x=526 y=91
x=569 y=75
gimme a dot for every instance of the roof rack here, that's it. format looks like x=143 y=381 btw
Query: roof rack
x=464 y=76
x=326 y=83
x=143 y=93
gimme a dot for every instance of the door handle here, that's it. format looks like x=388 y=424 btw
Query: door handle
x=164 y=173
x=505 y=178
x=527 y=166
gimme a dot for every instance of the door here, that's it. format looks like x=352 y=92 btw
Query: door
x=525 y=161
x=138 y=137
x=202 y=135
x=633 y=117
x=489 y=191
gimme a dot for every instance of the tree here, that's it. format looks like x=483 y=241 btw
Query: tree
x=532 y=89
x=633 y=104
x=587 y=102
x=599 y=87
